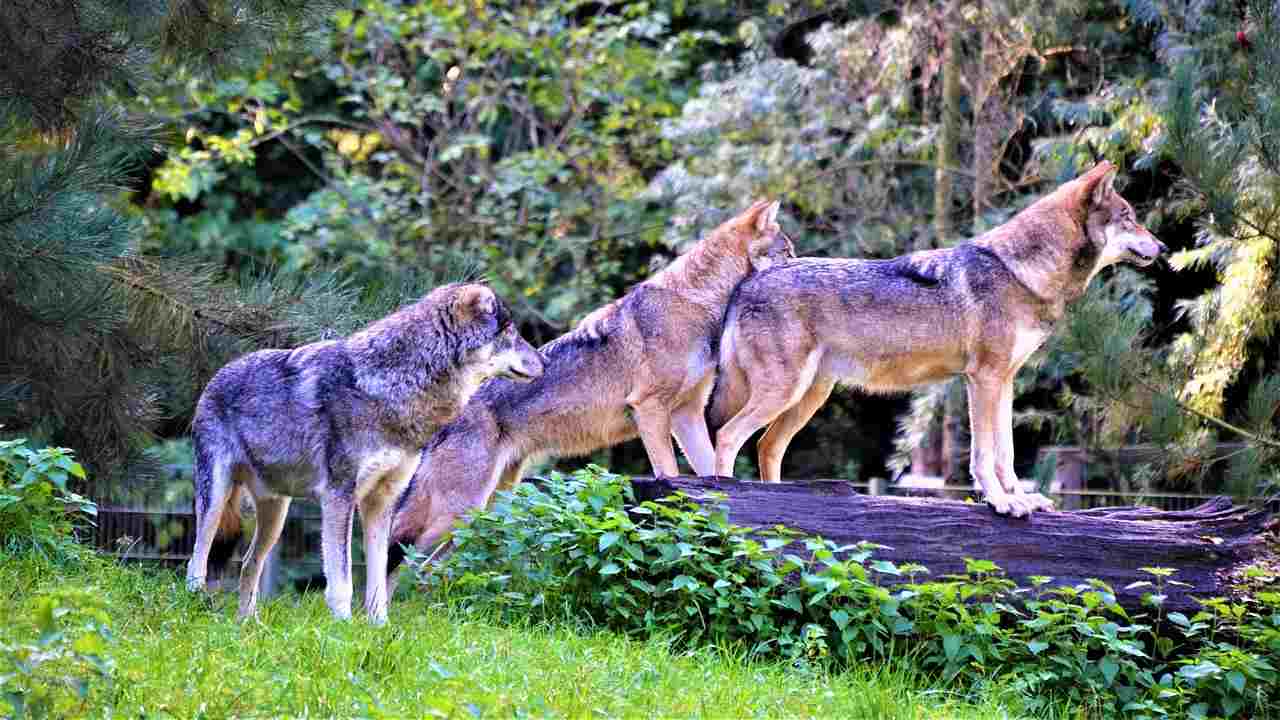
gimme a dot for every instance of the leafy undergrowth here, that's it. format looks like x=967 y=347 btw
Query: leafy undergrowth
x=581 y=546
x=160 y=651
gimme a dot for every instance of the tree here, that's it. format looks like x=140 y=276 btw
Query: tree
x=99 y=341
x=1221 y=119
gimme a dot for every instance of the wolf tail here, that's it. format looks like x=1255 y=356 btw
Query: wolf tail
x=228 y=535
x=731 y=391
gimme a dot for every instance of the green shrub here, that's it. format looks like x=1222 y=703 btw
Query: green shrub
x=51 y=675
x=38 y=510
x=581 y=546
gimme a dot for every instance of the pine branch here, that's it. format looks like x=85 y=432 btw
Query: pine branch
x=135 y=283
x=1251 y=437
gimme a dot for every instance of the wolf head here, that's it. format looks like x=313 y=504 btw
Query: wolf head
x=504 y=353
x=766 y=244
x=1110 y=222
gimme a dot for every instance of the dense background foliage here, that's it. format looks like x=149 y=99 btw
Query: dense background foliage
x=208 y=177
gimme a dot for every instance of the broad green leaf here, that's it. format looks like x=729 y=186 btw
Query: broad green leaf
x=951 y=646
x=1109 y=668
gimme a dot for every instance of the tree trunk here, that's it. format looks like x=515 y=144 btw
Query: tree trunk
x=984 y=144
x=949 y=130
x=932 y=457
x=1208 y=546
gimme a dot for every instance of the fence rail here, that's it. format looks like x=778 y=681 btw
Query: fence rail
x=167 y=535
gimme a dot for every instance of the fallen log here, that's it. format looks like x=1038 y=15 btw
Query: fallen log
x=1208 y=546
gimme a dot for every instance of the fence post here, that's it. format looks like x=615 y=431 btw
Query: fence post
x=1068 y=476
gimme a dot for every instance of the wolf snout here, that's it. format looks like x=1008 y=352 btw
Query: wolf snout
x=1148 y=249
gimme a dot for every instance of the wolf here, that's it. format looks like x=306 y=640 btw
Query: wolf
x=642 y=365
x=343 y=421
x=978 y=309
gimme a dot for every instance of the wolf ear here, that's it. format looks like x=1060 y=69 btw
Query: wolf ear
x=760 y=243
x=474 y=301
x=768 y=217
x=1099 y=183
x=753 y=215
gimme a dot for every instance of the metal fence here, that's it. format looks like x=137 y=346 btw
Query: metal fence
x=163 y=533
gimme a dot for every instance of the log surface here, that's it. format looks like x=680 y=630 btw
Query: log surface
x=1206 y=545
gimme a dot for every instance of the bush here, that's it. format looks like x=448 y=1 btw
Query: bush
x=38 y=511
x=581 y=546
x=52 y=674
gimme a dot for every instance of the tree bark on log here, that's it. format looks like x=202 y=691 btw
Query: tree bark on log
x=1208 y=545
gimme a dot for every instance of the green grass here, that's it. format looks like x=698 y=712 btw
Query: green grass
x=182 y=655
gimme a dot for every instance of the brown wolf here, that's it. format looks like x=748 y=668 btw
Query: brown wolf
x=641 y=365
x=978 y=309
x=343 y=421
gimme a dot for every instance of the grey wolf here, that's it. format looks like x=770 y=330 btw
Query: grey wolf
x=978 y=309
x=641 y=365
x=343 y=421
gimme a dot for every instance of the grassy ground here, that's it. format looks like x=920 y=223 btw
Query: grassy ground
x=180 y=655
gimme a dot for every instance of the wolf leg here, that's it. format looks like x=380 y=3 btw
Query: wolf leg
x=689 y=425
x=508 y=479
x=272 y=511
x=984 y=401
x=774 y=444
x=653 y=418
x=1004 y=455
x=690 y=429
x=212 y=488
x=376 y=511
x=336 y=512
x=786 y=383
x=763 y=408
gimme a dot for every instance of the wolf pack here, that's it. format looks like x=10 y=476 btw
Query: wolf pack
x=422 y=416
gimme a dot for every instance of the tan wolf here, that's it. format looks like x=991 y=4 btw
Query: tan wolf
x=978 y=309
x=641 y=365
x=343 y=421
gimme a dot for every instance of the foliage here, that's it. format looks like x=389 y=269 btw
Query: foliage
x=582 y=546
x=512 y=139
x=175 y=655
x=564 y=150
x=1212 y=122
x=52 y=674
x=100 y=344
x=1226 y=144
x=38 y=510
x=108 y=46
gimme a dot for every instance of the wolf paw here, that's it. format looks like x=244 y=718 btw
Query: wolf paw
x=1011 y=505
x=195 y=584
x=1038 y=502
x=1007 y=505
x=376 y=612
